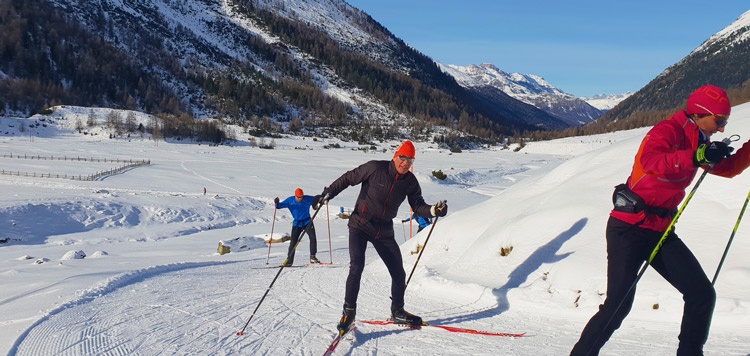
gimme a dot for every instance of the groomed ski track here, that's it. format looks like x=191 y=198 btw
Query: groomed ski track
x=298 y=317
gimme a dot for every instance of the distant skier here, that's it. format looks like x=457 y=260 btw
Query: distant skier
x=299 y=205
x=422 y=221
x=665 y=164
x=384 y=186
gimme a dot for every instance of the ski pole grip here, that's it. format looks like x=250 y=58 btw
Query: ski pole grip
x=731 y=138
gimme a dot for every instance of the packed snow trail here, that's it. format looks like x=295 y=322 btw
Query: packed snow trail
x=298 y=317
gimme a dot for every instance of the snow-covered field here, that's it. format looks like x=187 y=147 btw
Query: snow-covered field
x=152 y=282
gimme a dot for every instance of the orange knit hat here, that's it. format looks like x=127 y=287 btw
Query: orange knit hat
x=406 y=148
x=298 y=192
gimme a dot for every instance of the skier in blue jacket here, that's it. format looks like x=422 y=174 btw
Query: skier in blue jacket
x=299 y=205
x=423 y=222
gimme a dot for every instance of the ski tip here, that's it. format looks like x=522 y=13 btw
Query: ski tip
x=344 y=331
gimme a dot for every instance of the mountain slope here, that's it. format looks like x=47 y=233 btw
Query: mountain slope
x=312 y=64
x=721 y=60
x=530 y=89
x=605 y=102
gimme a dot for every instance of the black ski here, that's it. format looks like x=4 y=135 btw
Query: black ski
x=269 y=267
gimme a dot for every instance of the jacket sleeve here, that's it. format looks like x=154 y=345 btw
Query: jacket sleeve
x=350 y=178
x=283 y=204
x=735 y=164
x=658 y=155
x=416 y=201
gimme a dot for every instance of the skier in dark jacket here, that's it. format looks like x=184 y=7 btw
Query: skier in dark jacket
x=299 y=206
x=667 y=161
x=384 y=186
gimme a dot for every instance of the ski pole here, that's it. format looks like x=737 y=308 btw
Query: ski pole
x=427 y=239
x=270 y=238
x=731 y=237
x=653 y=254
x=281 y=268
x=328 y=220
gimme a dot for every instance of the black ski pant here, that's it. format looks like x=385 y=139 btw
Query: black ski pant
x=296 y=232
x=628 y=246
x=389 y=252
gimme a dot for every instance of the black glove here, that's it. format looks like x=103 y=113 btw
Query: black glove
x=712 y=153
x=403 y=221
x=440 y=209
x=316 y=201
x=322 y=199
x=276 y=201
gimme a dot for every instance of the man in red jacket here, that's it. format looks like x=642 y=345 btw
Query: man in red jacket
x=384 y=186
x=667 y=161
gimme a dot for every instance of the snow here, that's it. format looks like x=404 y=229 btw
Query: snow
x=527 y=88
x=738 y=24
x=606 y=101
x=152 y=282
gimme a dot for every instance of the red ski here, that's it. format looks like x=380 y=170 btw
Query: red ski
x=452 y=329
x=336 y=340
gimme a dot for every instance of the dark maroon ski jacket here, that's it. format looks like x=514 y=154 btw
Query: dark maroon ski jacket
x=382 y=192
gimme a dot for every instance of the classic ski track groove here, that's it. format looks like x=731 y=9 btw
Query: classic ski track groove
x=101 y=323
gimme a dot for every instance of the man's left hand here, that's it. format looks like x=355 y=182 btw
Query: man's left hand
x=440 y=209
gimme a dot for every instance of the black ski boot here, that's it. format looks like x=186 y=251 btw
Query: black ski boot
x=314 y=259
x=401 y=316
x=347 y=318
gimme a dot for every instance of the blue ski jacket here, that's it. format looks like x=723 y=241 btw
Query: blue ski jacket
x=423 y=223
x=300 y=211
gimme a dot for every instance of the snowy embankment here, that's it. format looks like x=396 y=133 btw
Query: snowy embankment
x=522 y=249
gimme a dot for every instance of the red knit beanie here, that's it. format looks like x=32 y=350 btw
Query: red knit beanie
x=298 y=192
x=406 y=148
x=708 y=99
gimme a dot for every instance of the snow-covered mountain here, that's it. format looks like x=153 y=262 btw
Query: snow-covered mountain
x=320 y=62
x=720 y=60
x=605 y=102
x=736 y=34
x=528 y=88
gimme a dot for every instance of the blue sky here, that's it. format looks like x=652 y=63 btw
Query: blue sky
x=581 y=47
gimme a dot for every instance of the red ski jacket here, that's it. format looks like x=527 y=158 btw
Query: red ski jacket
x=663 y=168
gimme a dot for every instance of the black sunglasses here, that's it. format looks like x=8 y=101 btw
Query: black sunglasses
x=720 y=121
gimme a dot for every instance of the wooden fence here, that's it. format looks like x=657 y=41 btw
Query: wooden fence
x=122 y=165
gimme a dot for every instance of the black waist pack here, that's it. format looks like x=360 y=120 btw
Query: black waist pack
x=625 y=200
